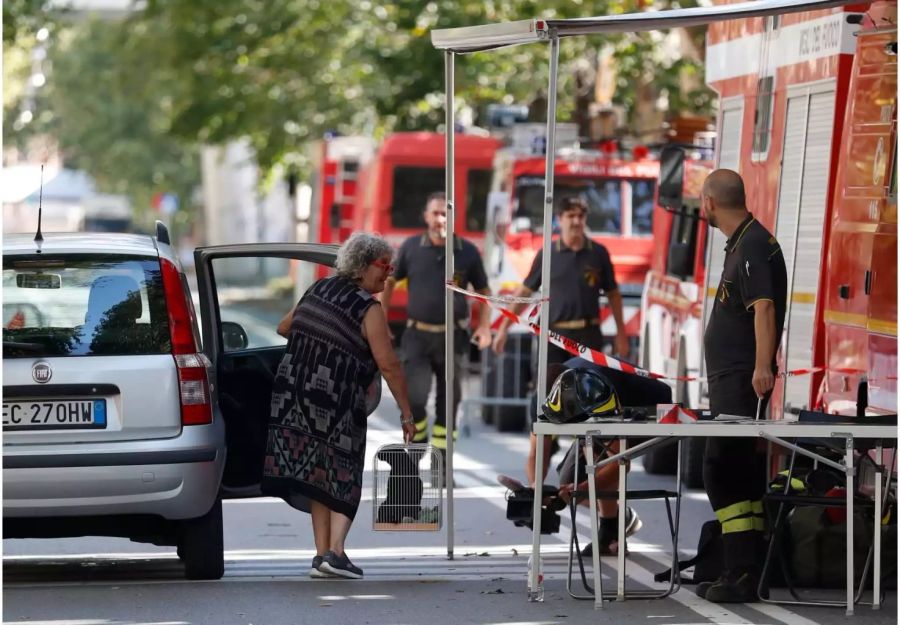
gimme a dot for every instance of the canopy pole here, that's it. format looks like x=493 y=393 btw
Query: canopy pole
x=543 y=344
x=449 y=353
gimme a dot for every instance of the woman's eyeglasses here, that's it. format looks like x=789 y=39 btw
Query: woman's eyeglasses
x=383 y=264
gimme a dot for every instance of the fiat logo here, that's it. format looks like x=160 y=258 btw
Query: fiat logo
x=41 y=372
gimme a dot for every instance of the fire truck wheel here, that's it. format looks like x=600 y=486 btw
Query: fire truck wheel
x=661 y=461
x=510 y=419
x=692 y=462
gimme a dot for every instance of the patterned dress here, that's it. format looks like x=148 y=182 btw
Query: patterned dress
x=317 y=426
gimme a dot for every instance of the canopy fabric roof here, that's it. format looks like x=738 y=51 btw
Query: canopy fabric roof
x=490 y=36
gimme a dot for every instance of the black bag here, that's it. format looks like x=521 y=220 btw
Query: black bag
x=520 y=509
x=710 y=559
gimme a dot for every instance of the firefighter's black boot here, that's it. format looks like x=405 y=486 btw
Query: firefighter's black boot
x=734 y=587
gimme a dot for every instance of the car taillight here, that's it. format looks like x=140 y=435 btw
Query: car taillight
x=193 y=381
x=193 y=385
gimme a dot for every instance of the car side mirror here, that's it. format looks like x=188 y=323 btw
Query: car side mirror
x=671 y=177
x=234 y=337
x=680 y=261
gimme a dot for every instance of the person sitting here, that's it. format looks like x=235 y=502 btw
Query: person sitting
x=633 y=391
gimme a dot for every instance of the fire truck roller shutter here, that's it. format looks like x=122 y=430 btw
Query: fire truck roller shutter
x=729 y=157
x=803 y=194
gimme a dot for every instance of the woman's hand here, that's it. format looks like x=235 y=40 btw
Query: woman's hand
x=565 y=492
x=409 y=428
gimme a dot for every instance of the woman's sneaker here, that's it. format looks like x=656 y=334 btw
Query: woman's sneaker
x=340 y=566
x=316 y=571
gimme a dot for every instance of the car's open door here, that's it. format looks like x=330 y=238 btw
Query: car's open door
x=245 y=290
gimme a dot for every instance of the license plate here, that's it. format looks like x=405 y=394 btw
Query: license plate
x=54 y=415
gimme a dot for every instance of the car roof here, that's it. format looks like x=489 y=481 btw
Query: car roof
x=82 y=242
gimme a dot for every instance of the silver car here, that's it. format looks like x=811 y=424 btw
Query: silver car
x=116 y=421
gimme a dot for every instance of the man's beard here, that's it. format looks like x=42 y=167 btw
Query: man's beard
x=712 y=221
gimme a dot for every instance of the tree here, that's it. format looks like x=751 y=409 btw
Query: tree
x=109 y=98
x=286 y=71
x=22 y=18
x=130 y=97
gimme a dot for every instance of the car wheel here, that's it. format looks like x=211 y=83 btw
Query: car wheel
x=200 y=545
x=510 y=418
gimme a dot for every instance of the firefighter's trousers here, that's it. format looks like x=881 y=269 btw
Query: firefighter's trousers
x=734 y=474
x=423 y=360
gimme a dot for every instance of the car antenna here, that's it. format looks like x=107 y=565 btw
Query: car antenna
x=38 y=237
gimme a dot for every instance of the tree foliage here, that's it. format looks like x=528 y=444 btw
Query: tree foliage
x=110 y=100
x=23 y=17
x=283 y=72
x=129 y=96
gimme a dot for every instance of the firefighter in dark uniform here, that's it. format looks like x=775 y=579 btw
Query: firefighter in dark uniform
x=581 y=272
x=421 y=262
x=740 y=343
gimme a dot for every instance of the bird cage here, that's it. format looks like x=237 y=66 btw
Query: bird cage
x=408 y=488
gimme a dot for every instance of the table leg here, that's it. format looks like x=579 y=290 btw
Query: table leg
x=592 y=506
x=622 y=505
x=876 y=582
x=848 y=464
x=536 y=519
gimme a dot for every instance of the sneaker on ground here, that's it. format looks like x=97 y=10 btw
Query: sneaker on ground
x=340 y=566
x=316 y=571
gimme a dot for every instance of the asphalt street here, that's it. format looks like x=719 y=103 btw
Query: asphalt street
x=408 y=576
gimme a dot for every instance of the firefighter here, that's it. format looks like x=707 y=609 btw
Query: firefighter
x=582 y=271
x=421 y=262
x=740 y=343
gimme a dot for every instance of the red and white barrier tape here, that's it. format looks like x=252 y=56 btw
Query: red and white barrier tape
x=599 y=358
x=497 y=299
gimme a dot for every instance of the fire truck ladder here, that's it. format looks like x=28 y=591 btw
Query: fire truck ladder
x=346 y=172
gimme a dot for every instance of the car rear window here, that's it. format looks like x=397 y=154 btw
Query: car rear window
x=83 y=305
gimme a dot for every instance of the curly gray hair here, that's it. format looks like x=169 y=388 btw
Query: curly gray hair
x=360 y=251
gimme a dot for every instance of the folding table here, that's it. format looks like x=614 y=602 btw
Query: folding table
x=659 y=433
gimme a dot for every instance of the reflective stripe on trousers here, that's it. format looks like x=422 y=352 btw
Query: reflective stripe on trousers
x=742 y=516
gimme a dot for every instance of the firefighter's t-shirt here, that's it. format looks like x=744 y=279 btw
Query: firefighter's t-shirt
x=421 y=262
x=577 y=280
x=754 y=270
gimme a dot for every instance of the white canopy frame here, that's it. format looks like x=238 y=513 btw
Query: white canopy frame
x=469 y=39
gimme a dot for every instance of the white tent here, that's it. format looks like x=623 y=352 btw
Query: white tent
x=492 y=36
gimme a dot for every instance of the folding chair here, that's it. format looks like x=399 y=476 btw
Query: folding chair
x=640 y=495
x=787 y=501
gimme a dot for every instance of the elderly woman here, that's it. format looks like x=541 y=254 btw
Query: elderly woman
x=338 y=339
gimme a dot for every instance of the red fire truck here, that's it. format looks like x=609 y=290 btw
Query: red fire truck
x=808 y=117
x=405 y=170
x=619 y=187
x=337 y=162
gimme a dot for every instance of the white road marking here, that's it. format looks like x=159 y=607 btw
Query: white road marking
x=427 y=563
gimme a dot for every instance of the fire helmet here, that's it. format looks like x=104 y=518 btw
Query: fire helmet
x=578 y=394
